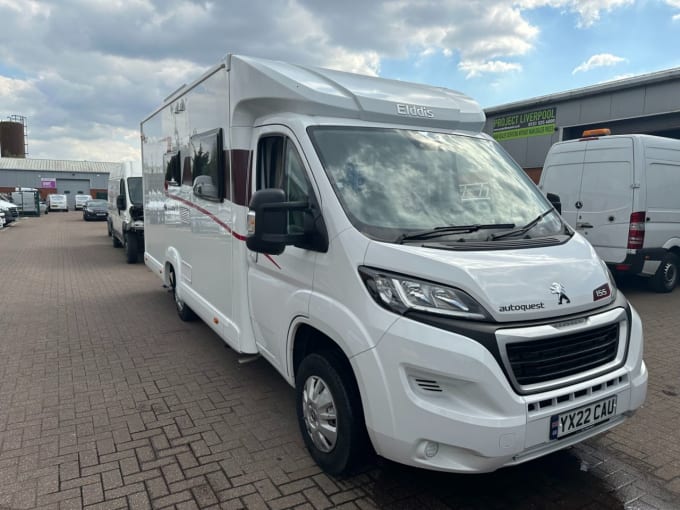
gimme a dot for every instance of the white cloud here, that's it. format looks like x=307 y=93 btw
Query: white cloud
x=475 y=68
x=674 y=4
x=588 y=10
x=92 y=63
x=599 y=60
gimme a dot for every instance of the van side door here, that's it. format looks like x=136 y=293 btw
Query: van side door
x=279 y=286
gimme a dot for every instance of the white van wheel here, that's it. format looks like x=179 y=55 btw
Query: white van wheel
x=329 y=413
x=666 y=276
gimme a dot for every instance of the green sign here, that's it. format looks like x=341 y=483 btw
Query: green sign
x=523 y=125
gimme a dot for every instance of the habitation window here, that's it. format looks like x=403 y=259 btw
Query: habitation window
x=207 y=165
x=279 y=166
x=173 y=169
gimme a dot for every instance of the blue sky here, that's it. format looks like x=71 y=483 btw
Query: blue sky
x=85 y=72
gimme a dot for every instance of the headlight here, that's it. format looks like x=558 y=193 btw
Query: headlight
x=400 y=294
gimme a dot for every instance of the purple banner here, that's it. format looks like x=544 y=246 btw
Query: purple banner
x=48 y=183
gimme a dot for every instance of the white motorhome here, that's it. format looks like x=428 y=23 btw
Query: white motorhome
x=391 y=262
x=126 y=211
x=621 y=193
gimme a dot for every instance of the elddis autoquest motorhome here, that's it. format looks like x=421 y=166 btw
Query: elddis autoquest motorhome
x=391 y=261
x=621 y=193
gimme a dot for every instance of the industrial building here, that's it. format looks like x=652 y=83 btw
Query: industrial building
x=47 y=175
x=56 y=176
x=648 y=104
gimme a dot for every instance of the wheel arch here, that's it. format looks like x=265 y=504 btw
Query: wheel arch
x=172 y=262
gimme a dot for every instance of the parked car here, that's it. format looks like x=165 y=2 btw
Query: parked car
x=95 y=210
x=11 y=211
x=81 y=200
x=2 y=219
x=57 y=203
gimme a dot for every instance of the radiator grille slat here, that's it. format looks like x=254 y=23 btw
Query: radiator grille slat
x=539 y=361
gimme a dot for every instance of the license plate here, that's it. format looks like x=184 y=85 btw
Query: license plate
x=582 y=418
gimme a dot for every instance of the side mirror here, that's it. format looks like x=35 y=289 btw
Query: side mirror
x=268 y=222
x=120 y=202
x=555 y=201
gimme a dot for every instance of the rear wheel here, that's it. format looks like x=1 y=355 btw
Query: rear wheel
x=329 y=413
x=185 y=313
x=131 y=248
x=666 y=277
x=115 y=241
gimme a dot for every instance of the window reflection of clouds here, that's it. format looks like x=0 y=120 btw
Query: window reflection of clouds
x=399 y=179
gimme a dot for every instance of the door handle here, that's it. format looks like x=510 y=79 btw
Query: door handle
x=584 y=225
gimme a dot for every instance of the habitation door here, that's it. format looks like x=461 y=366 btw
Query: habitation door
x=280 y=285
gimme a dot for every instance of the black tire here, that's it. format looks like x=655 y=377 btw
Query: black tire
x=666 y=277
x=185 y=313
x=131 y=248
x=115 y=241
x=108 y=227
x=351 y=441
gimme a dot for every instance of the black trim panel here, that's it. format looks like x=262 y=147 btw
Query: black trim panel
x=485 y=332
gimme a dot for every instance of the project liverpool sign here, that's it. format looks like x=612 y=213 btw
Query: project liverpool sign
x=523 y=125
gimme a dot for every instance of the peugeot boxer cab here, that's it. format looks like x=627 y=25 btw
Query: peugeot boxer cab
x=391 y=261
x=125 y=219
x=621 y=193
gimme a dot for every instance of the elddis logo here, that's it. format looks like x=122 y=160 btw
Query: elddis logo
x=412 y=110
x=521 y=308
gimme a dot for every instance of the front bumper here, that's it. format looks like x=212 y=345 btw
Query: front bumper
x=439 y=400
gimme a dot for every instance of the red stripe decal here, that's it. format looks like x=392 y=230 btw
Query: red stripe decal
x=210 y=215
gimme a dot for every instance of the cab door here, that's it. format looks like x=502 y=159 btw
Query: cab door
x=279 y=286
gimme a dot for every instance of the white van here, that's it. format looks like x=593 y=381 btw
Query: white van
x=81 y=200
x=391 y=262
x=126 y=211
x=621 y=193
x=57 y=202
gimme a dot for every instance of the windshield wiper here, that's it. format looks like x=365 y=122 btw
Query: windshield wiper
x=524 y=229
x=449 y=229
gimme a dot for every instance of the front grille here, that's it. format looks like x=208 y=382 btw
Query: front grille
x=538 y=361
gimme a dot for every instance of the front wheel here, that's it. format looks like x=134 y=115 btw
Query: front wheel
x=329 y=413
x=666 y=276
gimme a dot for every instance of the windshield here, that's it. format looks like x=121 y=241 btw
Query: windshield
x=395 y=181
x=135 y=189
x=97 y=203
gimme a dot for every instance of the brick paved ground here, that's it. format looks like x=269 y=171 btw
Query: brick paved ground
x=108 y=400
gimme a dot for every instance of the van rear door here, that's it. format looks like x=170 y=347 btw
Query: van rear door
x=562 y=175
x=594 y=179
x=607 y=188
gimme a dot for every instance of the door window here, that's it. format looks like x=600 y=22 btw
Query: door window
x=280 y=166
